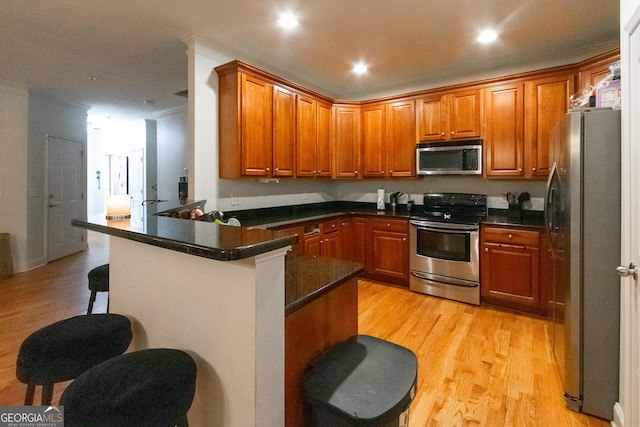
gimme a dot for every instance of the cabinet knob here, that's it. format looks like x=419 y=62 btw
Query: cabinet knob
x=519 y=169
x=486 y=249
x=276 y=169
x=453 y=132
x=267 y=169
x=533 y=169
x=356 y=172
x=511 y=236
x=442 y=133
x=390 y=172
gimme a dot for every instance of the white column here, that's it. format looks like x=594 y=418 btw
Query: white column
x=229 y=315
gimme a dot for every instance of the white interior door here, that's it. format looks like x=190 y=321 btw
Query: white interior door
x=628 y=412
x=136 y=184
x=65 y=197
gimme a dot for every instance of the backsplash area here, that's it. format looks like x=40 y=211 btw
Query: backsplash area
x=252 y=194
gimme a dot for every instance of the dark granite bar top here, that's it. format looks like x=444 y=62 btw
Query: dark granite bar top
x=308 y=277
x=199 y=238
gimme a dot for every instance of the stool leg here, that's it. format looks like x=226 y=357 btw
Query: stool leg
x=107 y=303
x=184 y=422
x=31 y=390
x=92 y=299
x=47 y=394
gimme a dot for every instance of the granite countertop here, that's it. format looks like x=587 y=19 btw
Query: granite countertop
x=278 y=217
x=199 y=238
x=529 y=219
x=308 y=277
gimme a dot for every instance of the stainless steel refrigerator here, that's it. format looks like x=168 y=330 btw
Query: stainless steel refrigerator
x=582 y=216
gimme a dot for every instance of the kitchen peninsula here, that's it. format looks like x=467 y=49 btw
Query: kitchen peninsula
x=221 y=293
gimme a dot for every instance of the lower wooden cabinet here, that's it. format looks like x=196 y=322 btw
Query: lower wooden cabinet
x=390 y=250
x=380 y=244
x=510 y=269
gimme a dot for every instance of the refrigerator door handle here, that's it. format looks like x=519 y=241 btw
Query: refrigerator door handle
x=550 y=208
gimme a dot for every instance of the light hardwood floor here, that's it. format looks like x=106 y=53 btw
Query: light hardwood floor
x=478 y=366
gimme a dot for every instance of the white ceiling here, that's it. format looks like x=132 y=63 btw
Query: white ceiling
x=133 y=47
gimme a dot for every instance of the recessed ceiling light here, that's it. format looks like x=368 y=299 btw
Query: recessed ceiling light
x=288 y=20
x=487 y=36
x=360 y=69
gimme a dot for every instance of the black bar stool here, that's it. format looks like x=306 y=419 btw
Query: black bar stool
x=153 y=387
x=65 y=349
x=98 y=282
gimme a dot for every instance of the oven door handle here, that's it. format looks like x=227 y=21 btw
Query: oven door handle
x=444 y=228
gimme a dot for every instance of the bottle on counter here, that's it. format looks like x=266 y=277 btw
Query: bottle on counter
x=183 y=186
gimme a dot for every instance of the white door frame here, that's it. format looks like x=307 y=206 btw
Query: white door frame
x=627 y=410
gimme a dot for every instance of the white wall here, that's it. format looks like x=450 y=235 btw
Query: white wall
x=13 y=169
x=173 y=143
x=48 y=116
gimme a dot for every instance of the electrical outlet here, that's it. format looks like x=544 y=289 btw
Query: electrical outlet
x=235 y=199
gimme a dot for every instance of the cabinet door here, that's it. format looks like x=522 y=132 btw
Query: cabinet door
x=547 y=101
x=346 y=239
x=331 y=238
x=360 y=242
x=284 y=131
x=313 y=244
x=390 y=246
x=373 y=141
x=465 y=112
x=324 y=149
x=347 y=142
x=596 y=69
x=400 y=139
x=256 y=125
x=504 y=137
x=432 y=118
x=306 y=136
x=510 y=274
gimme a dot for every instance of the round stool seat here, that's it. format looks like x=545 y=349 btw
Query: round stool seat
x=65 y=349
x=153 y=387
x=363 y=381
x=99 y=279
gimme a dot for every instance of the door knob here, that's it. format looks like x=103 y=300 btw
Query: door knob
x=52 y=205
x=632 y=271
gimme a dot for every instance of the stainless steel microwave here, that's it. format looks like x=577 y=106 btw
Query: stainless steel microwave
x=449 y=158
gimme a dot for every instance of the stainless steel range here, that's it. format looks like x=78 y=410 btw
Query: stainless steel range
x=445 y=240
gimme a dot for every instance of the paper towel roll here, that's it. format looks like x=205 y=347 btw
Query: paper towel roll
x=380 y=199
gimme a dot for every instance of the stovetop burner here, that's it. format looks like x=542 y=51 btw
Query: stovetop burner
x=456 y=208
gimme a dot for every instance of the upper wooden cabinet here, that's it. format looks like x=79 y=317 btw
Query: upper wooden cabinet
x=256 y=97
x=270 y=129
x=284 y=132
x=373 y=141
x=504 y=130
x=400 y=141
x=519 y=117
x=313 y=148
x=451 y=116
x=346 y=141
x=546 y=102
x=388 y=140
x=592 y=71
